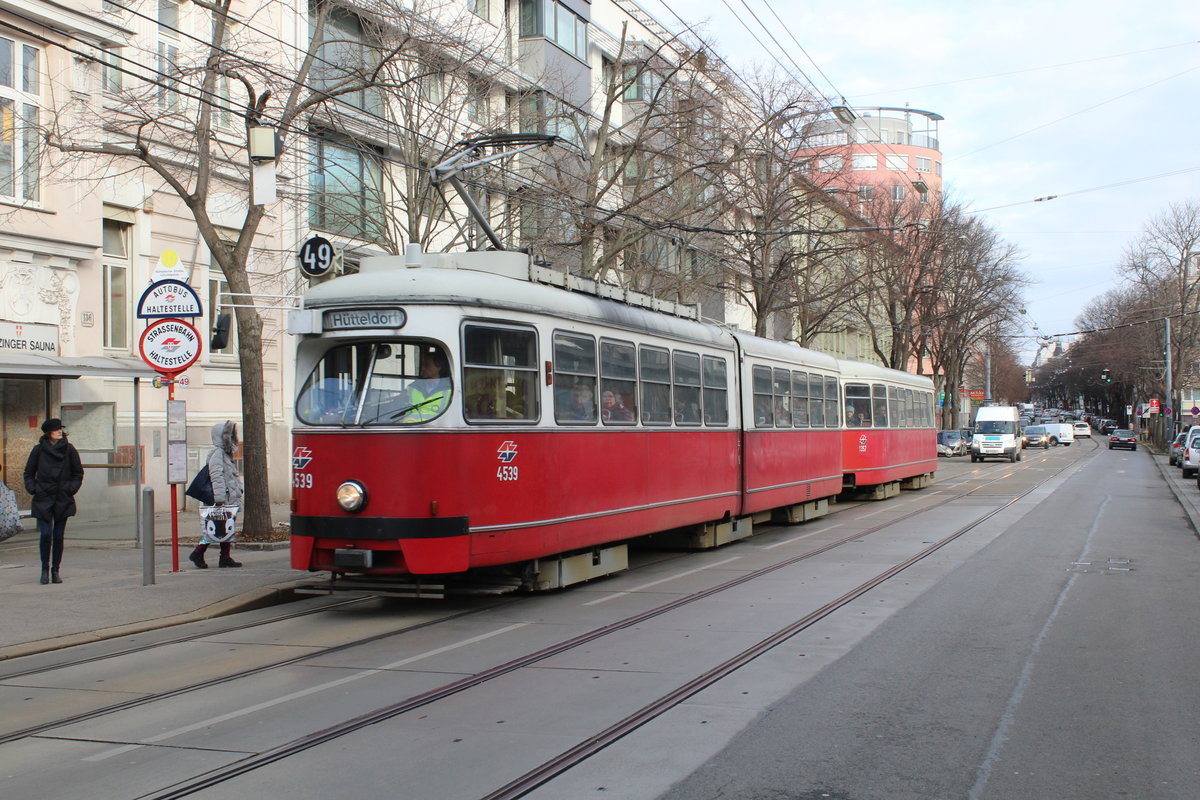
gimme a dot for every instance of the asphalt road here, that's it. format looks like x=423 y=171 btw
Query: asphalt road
x=1060 y=661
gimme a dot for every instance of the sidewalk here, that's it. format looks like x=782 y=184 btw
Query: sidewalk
x=1186 y=491
x=102 y=594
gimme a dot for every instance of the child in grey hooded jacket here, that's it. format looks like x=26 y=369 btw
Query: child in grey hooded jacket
x=226 y=485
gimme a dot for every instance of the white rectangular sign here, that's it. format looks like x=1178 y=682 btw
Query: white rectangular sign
x=28 y=337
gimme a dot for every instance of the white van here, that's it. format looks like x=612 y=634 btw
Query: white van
x=1061 y=433
x=997 y=433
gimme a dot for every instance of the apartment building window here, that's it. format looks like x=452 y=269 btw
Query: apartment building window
x=555 y=22
x=865 y=192
x=115 y=267
x=343 y=54
x=864 y=161
x=923 y=164
x=482 y=9
x=897 y=193
x=347 y=188
x=111 y=77
x=896 y=163
x=831 y=163
x=20 y=156
x=478 y=106
x=168 y=15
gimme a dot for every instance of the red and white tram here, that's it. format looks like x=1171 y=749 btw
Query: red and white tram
x=456 y=418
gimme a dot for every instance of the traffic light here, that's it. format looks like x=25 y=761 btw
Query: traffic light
x=1106 y=375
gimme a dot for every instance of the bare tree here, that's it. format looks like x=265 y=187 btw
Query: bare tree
x=336 y=100
x=1164 y=261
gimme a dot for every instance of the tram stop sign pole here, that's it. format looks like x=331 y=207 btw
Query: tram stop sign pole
x=170 y=346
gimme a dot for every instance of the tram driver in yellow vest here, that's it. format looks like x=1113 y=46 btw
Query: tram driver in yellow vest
x=429 y=394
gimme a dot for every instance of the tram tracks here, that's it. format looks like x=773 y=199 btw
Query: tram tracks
x=588 y=747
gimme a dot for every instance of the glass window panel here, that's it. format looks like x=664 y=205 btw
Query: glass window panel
x=831 y=403
x=716 y=395
x=500 y=374
x=879 y=408
x=116 y=306
x=29 y=69
x=574 y=355
x=782 y=389
x=8 y=149
x=31 y=168
x=6 y=62
x=687 y=388
x=816 y=402
x=655 y=367
x=800 y=399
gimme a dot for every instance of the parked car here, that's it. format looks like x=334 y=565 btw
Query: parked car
x=1036 y=436
x=1126 y=438
x=1107 y=426
x=951 y=443
x=1082 y=430
x=1174 y=457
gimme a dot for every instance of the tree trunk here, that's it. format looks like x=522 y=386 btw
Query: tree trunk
x=257 y=502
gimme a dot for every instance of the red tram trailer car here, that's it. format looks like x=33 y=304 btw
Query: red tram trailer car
x=461 y=417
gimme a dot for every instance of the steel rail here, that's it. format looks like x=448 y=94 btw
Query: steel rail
x=589 y=747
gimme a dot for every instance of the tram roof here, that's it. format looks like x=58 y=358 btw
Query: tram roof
x=864 y=371
x=434 y=286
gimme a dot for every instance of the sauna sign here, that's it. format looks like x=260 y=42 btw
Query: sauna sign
x=170 y=346
x=28 y=337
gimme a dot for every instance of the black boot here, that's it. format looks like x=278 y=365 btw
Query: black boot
x=45 y=575
x=226 y=558
x=197 y=558
x=54 y=576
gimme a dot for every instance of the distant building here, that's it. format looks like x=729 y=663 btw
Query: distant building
x=883 y=152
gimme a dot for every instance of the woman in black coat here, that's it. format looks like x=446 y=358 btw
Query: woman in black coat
x=53 y=474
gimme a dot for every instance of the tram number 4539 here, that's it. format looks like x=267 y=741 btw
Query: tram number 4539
x=506 y=473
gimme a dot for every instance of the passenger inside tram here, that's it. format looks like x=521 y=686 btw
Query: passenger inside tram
x=858 y=413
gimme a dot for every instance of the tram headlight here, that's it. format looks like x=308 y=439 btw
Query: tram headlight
x=352 y=496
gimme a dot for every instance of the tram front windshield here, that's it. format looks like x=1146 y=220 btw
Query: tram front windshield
x=377 y=383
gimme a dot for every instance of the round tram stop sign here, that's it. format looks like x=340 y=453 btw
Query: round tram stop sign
x=170 y=346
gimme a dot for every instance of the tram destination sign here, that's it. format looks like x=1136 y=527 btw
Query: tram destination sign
x=170 y=346
x=356 y=318
x=169 y=298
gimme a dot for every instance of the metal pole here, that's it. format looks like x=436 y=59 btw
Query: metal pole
x=146 y=525
x=1175 y=412
x=139 y=535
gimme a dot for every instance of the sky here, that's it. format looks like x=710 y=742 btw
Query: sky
x=1096 y=102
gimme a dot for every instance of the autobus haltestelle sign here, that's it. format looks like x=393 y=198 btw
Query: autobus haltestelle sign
x=170 y=346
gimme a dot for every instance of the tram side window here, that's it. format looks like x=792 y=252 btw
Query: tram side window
x=685 y=371
x=800 y=399
x=858 y=405
x=816 y=403
x=831 y=403
x=618 y=383
x=500 y=374
x=879 y=405
x=895 y=395
x=782 y=389
x=575 y=379
x=716 y=391
x=910 y=411
x=656 y=386
x=764 y=414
